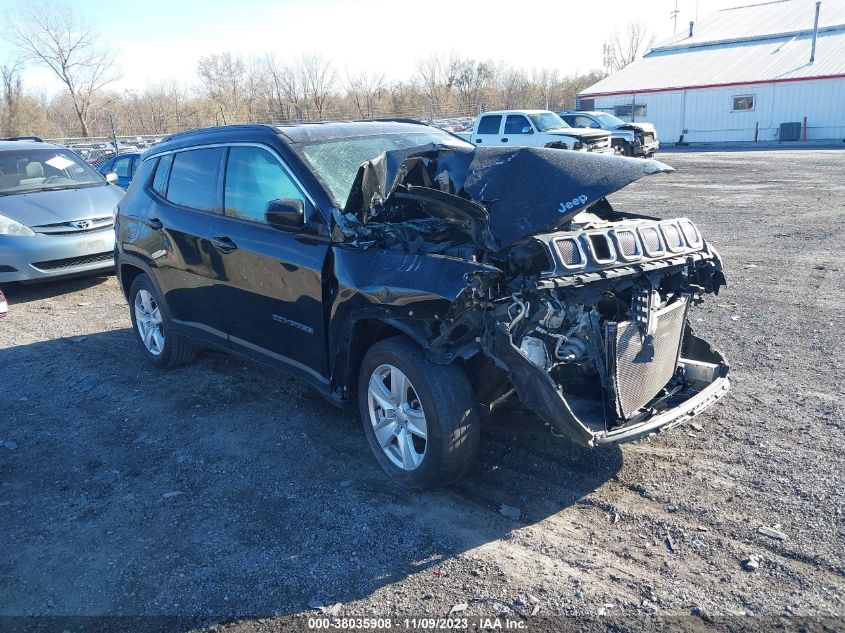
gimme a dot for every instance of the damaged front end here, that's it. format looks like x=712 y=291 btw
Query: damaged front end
x=586 y=318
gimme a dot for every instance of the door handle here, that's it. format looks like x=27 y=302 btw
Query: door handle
x=224 y=244
x=154 y=223
x=478 y=140
x=505 y=140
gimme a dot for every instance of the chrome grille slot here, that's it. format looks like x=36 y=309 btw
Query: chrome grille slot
x=637 y=374
x=600 y=247
x=691 y=234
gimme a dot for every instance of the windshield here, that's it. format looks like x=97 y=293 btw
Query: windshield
x=609 y=120
x=548 y=121
x=28 y=170
x=336 y=161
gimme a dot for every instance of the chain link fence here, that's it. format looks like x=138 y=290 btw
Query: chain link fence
x=97 y=150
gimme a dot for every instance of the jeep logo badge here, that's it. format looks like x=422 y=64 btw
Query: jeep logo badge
x=571 y=204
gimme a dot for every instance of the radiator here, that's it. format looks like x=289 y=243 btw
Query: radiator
x=638 y=366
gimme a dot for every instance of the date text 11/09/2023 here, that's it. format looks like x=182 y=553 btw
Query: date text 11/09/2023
x=413 y=624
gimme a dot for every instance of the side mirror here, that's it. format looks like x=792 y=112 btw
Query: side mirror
x=286 y=214
x=110 y=177
x=527 y=130
x=595 y=125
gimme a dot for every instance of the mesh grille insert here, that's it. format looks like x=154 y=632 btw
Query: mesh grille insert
x=569 y=252
x=673 y=236
x=651 y=239
x=627 y=242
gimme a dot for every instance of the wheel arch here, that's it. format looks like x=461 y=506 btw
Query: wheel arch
x=363 y=334
x=128 y=268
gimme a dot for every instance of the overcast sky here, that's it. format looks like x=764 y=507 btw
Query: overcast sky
x=162 y=39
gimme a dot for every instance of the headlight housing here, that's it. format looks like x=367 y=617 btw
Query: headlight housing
x=8 y=226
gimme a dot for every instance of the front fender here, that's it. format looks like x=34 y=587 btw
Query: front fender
x=407 y=292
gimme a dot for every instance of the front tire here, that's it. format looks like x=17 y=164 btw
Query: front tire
x=623 y=148
x=420 y=419
x=151 y=323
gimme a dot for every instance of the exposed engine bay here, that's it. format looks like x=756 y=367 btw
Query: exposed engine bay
x=579 y=309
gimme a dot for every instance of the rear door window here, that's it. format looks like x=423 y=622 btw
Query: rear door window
x=490 y=124
x=194 y=179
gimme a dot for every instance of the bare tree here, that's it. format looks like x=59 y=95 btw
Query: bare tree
x=317 y=77
x=286 y=92
x=623 y=48
x=428 y=77
x=11 y=92
x=472 y=80
x=52 y=36
x=364 y=89
x=547 y=83
x=233 y=84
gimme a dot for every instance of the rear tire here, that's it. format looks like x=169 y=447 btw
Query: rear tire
x=153 y=327
x=417 y=393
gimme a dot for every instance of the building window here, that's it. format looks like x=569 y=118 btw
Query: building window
x=743 y=103
x=625 y=110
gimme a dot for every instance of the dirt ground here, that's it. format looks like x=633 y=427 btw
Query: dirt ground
x=228 y=492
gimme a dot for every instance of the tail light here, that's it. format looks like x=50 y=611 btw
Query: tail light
x=4 y=306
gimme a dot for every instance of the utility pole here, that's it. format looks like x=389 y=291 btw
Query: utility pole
x=674 y=15
x=607 y=55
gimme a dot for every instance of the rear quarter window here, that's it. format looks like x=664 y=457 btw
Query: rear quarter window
x=194 y=179
x=159 y=183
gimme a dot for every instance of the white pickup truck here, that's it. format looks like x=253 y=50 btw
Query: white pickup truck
x=534 y=128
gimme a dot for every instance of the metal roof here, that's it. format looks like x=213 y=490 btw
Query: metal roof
x=757 y=21
x=759 y=43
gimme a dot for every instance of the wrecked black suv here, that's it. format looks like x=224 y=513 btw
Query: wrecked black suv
x=392 y=265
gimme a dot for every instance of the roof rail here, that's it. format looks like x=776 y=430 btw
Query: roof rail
x=37 y=139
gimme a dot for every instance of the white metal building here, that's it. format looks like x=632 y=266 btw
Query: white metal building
x=738 y=76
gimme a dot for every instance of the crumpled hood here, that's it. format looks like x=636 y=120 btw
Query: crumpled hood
x=515 y=192
x=642 y=127
x=578 y=132
x=65 y=205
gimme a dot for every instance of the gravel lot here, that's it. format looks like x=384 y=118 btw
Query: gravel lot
x=228 y=492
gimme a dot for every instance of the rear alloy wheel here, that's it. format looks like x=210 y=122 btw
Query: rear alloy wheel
x=151 y=322
x=420 y=419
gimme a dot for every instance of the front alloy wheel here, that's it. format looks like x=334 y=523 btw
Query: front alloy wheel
x=397 y=417
x=420 y=418
x=149 y=323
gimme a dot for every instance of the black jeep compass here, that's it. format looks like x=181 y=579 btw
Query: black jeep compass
x=392 y=265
